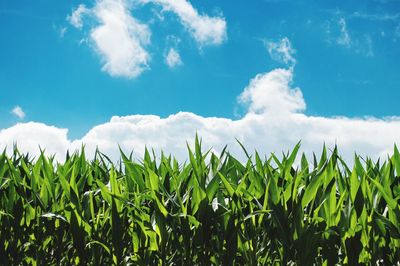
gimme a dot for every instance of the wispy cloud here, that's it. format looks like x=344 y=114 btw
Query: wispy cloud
x=60 y=30
x=397 y=31
x=281 y=51
x=77 y=16
x=361 y=40
x=338 y=33
x=377 y=16
x=369 y=49
x=344 y=37
x=173 y=58
x=18 y=112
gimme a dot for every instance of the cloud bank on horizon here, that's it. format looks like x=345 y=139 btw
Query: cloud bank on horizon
x=274 y=121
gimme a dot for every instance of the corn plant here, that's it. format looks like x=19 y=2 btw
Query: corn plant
x=211 y=210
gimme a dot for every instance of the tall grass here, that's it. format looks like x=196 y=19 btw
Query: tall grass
x=211 y=210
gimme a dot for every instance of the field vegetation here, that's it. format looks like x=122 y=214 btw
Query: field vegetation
x=211 y=210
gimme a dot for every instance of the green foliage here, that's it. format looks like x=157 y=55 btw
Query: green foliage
x=213 y=210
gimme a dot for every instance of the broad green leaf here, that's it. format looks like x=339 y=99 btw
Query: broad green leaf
x=227 y=185
x=311 y=190
x=392 y=203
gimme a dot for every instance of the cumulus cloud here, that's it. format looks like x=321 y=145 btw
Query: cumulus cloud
x=18 y=112
x=118 y=37
x=281 y=51
x=270 y=93
x=31 y=136
x=172 y=58
x=274 y=122
x=121 y=40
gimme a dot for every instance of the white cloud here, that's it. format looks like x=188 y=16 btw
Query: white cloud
x=120 y=39
x=270 y=93
x=344 y=37
x=31 y=136
x=18 y=112
x=172 y=58
x=76 y=17
x=205 y=29
x=281 y=51
x=274 y=122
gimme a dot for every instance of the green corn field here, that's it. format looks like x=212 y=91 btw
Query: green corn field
x=211 y=210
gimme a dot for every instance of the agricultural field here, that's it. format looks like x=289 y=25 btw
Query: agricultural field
x=212 y=210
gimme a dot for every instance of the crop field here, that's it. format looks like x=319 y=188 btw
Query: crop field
x=211 y=210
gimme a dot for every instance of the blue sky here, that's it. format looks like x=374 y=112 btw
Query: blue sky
x=346 y=57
